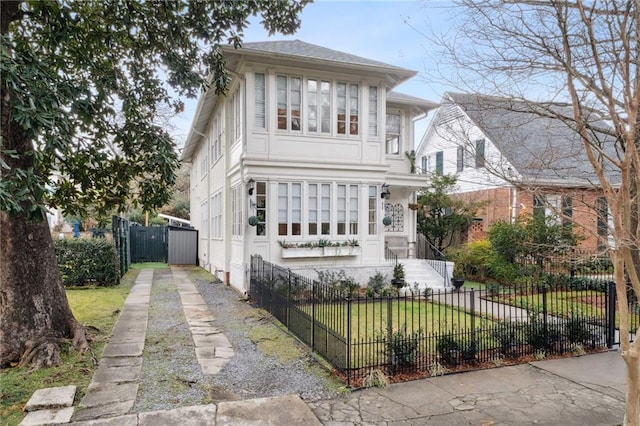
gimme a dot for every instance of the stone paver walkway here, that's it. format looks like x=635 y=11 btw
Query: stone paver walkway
x=114 y=387
x=213 y=349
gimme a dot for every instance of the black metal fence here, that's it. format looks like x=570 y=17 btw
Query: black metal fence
x=435 y=331
x=120 y=232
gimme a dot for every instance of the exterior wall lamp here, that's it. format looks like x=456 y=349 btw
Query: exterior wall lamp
x=251 y=185
x=384 y=191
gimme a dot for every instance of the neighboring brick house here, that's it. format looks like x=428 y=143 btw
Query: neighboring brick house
x=301 y=149
x=516 y=159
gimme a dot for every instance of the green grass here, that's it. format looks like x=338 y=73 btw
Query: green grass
x=94 y=307
x=474 y=285
x=149 y=265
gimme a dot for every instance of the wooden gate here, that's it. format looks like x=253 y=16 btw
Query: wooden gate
x=148 y=244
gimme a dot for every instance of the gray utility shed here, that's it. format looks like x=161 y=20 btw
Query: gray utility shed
x=183 y=246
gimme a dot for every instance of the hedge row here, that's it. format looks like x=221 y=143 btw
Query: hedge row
x=84 y=262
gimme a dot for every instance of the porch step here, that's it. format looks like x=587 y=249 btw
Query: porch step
x=418 y=273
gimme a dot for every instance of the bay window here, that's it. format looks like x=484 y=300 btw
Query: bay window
x=289 y=98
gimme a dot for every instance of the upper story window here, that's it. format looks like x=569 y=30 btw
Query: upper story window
x=393 y=133
x=216 y=138
x=204 y=161
x=235 y=115
x=318 y=106
x=424 y=162
x=480 y=155
x=260 y=113
x=347 y=108
x=289 y=99
x=373 y=111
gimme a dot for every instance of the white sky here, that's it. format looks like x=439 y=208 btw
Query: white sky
x=387 y=31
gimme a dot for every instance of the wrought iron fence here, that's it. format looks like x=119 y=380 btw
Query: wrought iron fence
x=431 y=332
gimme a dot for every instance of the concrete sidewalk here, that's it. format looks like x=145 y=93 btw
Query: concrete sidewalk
x=586 y=390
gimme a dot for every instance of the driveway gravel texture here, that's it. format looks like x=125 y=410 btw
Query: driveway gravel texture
x=267 y=360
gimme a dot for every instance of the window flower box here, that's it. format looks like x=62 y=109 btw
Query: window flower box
x=300 y=252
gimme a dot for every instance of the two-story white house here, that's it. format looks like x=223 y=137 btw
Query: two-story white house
x=307 y=149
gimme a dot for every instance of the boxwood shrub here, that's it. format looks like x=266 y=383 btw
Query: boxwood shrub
x=85 y=262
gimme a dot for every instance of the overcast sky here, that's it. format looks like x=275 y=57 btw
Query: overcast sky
x=387 y=31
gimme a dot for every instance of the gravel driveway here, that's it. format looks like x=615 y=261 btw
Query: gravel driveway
x=267 y=360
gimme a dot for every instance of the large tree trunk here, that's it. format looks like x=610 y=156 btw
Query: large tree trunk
x=34 y=311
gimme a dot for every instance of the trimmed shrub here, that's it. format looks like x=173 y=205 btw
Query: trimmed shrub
x=403 y=346
x=84 y=262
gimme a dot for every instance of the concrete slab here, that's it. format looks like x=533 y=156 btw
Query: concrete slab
x=103 y=411
x=211 y=340
x=131 y=361
x=203 y=415
x=48 y=417
x=128 y=336
x=128 y=420
x=123 y=349
x=118 y=374
x=51 y=398
x=281 y=410
x=107 y=393
x=606 y=372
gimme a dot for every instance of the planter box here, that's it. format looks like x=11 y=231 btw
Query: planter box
x=299 y=252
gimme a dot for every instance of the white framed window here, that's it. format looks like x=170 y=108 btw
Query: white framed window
x=373 y=111
x=236 y=211
x=216 y=138
x=261 y=208
x=260 y=112
x=347 y=209
x=204 y=160
x=373 y=210
x=318 y=106
x=216 y=215
x=392 y=139
x=289 y=99
x=347 y=108
x=204 y=219
x=237 y=118
x=319 y=209
x=289 y=209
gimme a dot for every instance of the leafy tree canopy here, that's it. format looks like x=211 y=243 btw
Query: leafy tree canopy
x=81 y=83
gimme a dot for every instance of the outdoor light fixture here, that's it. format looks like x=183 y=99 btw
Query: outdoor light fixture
x=251 y=185
x=384 y=191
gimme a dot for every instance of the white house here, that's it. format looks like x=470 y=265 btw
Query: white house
x=301 y=153
x=519 y=158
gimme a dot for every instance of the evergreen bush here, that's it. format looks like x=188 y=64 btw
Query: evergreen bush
x=85 y=262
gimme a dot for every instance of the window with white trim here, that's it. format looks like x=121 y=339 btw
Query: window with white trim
x=216 y=215
x=237 y=119
x=289 y=209
x=261 y=208
x=373 y=210
x=260 y=113
x=289 y=98
x=460 y=159
x=204 y=219
x=347 y=108
x=318 y=106
x=216 y=136
x=373 y=111
x=236 y=211
x=347 y=209
x=393 y=133
x=204 y=160
x=319 y=205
